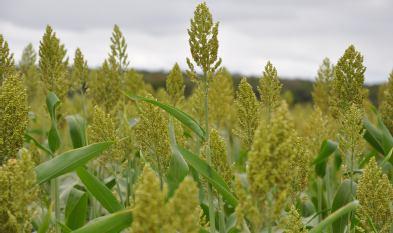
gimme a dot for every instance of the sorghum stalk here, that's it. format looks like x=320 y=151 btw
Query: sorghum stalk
x=204 y=47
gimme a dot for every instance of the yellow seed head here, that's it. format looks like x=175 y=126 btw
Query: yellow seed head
x=347 y=84
x=350 y=135
x=270 y=88
x=149 y=212
x=18 y=192
x=153 y=137
x=7 y=63
x=102 y=128
x=293 y=222
x=375 y=194
x=175 y=85
x=322 y=86
x=80 y=71
x=53 y=64
x=387 y=104
x=247 y=113
x=221 y=97
x=14 y=116
x=219 y=156
x=203 y=41
x=29 y=57
x=183 y=209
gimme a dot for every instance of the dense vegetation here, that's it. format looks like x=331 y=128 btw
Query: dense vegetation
x=102 y=150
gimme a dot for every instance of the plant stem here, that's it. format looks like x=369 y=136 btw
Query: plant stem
x=209 y=186
x=221 y=215
x=56 y=202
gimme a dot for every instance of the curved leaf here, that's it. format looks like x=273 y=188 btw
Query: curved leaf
x=69 y=161
x=210 y=174
x=328 y=147
x=178 y=168
x=344 y=195
x=110 y=223
x=76 y=209
x=52 y=102
x=177 y=113
x=77 y=129
x=345 y=210
x=99 y=190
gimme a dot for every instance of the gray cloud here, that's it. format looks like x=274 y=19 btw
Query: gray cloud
x=294 y=35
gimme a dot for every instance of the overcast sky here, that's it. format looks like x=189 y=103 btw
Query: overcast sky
x=294 y=34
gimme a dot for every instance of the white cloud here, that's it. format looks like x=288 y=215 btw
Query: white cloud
x=294 y=35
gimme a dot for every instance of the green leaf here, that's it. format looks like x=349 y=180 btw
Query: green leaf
x=178 y=168
x=328 y=147
x=28 y=138
x=76 y=209
x=373 y=136
x=110 y=223
x=77 y=129
x=69 y=161
x=343 y=211
x=52 y=102
x=99 y=190
x=344 y=195
x=177 y=113
x=210 y=174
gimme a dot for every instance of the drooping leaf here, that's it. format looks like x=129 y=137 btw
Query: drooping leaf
x=52 y=102
x=76 y=209
x=343 y=211
x=99 y=190
x=177 y=113
x=178 y=168
x=46 y=221
x=210 y=174
x=344 y=195
x=69 y=161
x=77 y=129
x=328 y=147
x=107 y=224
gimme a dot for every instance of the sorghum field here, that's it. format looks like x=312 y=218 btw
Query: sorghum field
x=100 y=151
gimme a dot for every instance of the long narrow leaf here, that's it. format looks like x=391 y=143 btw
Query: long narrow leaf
x=210 y=174
x=76 y=209
x=334 y=216
x=344 y=195
x=77 y=129
x=52 y=102
x=69 y=161
x=177 y=113
x=99 y=190
x=110 y=223
x=328 y=147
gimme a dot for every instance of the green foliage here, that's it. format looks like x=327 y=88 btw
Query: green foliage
x=386 y=107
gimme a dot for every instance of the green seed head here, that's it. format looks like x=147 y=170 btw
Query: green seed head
x=14 y=116
x=375 y=194
x=183 y=209
x=322 y=86
x=347 y=84
x=79 y=71
x=203 y=41
x=7 y=63
x=175 y=85
x=247 y=113
x=293 y=222
x=153 y=137
x=29 y=57
x=270 y=88
x=53 y=64
x=387 y=104
x=149 y=212
x=19 y=191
